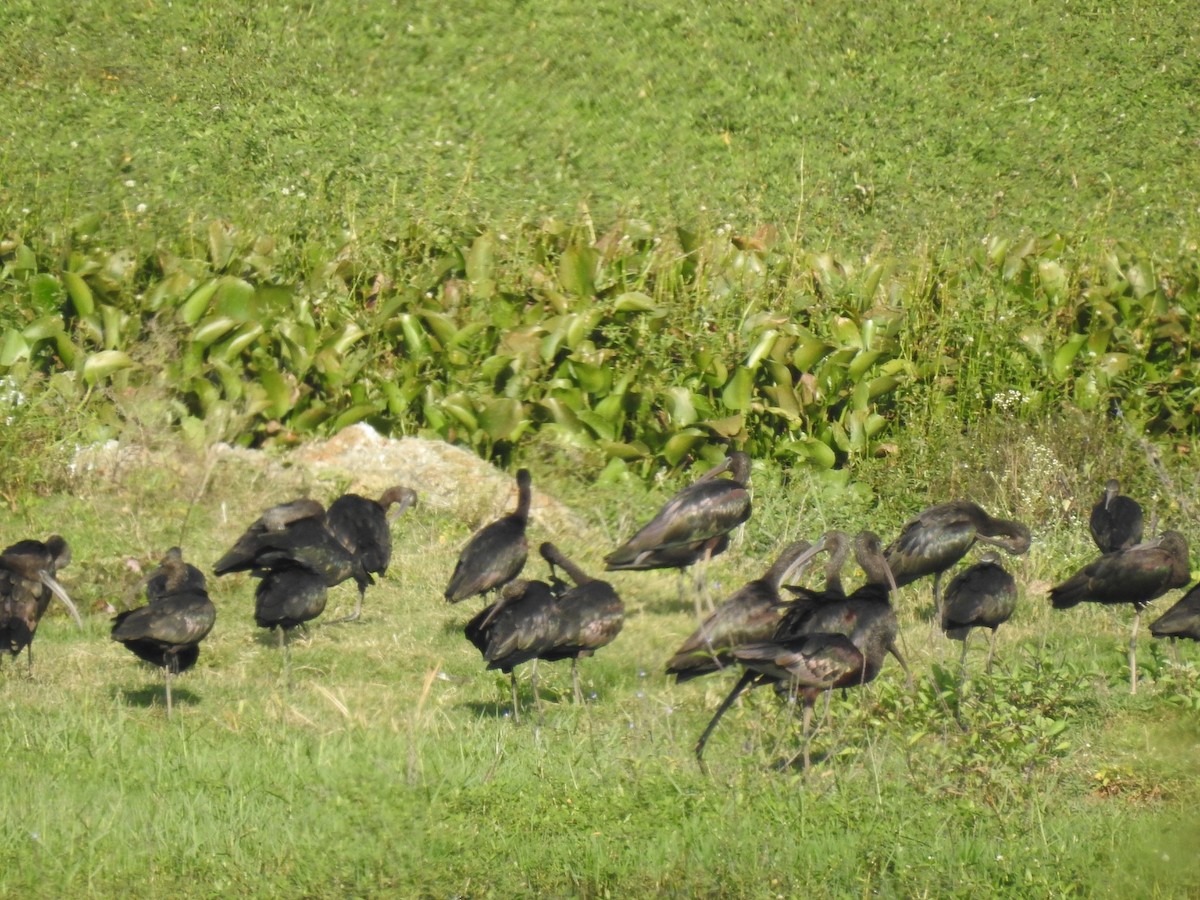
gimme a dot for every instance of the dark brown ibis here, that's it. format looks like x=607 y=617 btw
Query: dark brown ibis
x=167 y=631
x=694 y=525
x=750 y=614
x=290 y=536
x=1116 y=520
x=1136 y=575
x=588 y=616
x=496 y=553
x=813 y=635
x=1180 y=621
x=939 y=537
x=28 y=571
x=363 y=526
x=514 y=629
x=982 y=596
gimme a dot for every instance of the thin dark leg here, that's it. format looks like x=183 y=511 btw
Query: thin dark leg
x=991 y=651
x=512 y=675
x=1137 y=618
x=962 y=661
x=354 y=616
x=537 y=699
x=575 y=680
x=937 y=604
x=748 y=676
x=167 y=679
x=805 y=722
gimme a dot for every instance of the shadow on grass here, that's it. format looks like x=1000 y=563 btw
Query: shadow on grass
x=156 y=695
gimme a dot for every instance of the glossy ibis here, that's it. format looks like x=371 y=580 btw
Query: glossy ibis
x=939 y=537
x=496 y=553
x=27 y=582
x=363 y=526
x=1116 y=521
x=983 y=596
x=588 y=616
x=167 y=631
x=1136 y=575
x=694 y=525
x=515 y=629
x=1180 y=621
x=865 y=618
x=752 y=613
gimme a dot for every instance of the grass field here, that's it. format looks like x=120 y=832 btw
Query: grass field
x=388 y=764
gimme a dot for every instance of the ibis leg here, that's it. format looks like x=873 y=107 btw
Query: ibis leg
x=747 y=677
x=512 y=675
x=991 y=651
x=1137 y=618
x=575 y=680
x=167 y=679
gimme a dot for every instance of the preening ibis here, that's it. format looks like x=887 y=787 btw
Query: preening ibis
x=514 y=629
x=27 y=582
x=496 y=553
x=983 y=596
x=167 y=631
x=1116 y=521
x=694 y=525
x=752 y=613
x=588 y=616
x=1180 y=621
x=1136 y=575
x=939 y=537
x=811 y=637
x=363 y=526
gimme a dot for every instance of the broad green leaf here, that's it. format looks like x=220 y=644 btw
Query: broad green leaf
x=43 y=328
x=680 y=445
x=212 y=330
x=1052 y=278
x=577 y=270
x=354 y=414
x=809 y=351
x=861 y=363
x=45 y=291
x=812 y=450
x=479 y=263
x=623 y=450
x=679 y=405
x=761 y=348
x=79 y=292
x=503 y=418
x=1141 y=278
x=220 y=244
x=459 y=407
x=14 y=348
x=637 y=302
x=101 y=365
x=846 y=332
x=1065 y=355
x=196 y=305
x=727 y=427
x=738 y=391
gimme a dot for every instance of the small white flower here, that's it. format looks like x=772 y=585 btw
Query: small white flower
x=129 y=182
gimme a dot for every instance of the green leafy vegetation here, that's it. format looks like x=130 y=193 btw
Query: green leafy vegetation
x=898 y=253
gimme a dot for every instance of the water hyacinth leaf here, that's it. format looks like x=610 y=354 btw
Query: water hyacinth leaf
x=812 y=450
x=278 y=392
x=762 y=347
x=592 y=379
x=561 y=413
x=113 y=323
x=458 y=406
x=680 y=445
x=727 y=427
x=479 y=263
x=212 y=330
x=220 y=244
x=738 y=391
x=623 y=450
x=1064 y=356
x=45 y=292
x=679 y=406
x=1140 y=276
x=305 y=421
x=234 y=297
x=638 y=302
x=342 y=342
x=1053 y=279
x=82 y=300
x=246 y=335
x=99 y=366
x=503 y=419
x=846 y=332
x=169 y=290
x=13 y=348
x=196 y=305
x=577 y=270
x=414 y=336
x=861 y=363
x=23 y=260
x=442 y=326
x=600 y=425
x=884 y=384
x=1034 y=338
x=614 y=471
x=1114 y=364
x=43 y=328
x=809 y=351
x=354 y=414
x=1097 y=341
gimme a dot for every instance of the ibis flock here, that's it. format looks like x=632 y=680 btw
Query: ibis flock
x=773 y=631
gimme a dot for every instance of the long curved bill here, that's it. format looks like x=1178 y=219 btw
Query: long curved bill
x=57 y=589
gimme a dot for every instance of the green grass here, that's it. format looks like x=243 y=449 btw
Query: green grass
x=871 y=129
x=388 y=137
x=390 y=763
